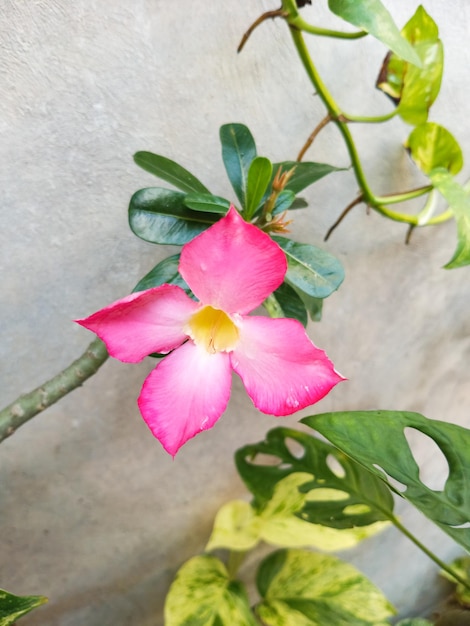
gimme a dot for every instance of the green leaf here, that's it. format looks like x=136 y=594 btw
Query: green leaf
x=289 y=304
x=305 y=173
x=310 y=270
x=207 y=202
x=259 y=176
x=285 y=201
x=360 y=498
x=374 y=18
x=238 y=526
x=13 y=607
x=159 y=215
x=376 y=439
x=238 y=151
x=414 y=89
x=458 y=199
x=165 y=272
x=432 y=146
x=461 y=567
x=414 y=621
x=168 y=170
x=203 y=594
x=310 y=589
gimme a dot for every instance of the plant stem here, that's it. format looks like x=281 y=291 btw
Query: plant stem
x=272 y=307
x=428 y=552
x=27 y=406
x=301 y=24
x=365 y=119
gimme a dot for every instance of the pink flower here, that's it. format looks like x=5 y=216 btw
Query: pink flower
x=232 y=267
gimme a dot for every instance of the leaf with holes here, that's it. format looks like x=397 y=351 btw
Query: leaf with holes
x=239 y=526
x=160 y=216
x=373 y=17
x=310 y=270
x=238 y=151
x=458 y=199
x=340 y=493
x=376 y=439
x=13 y=607
x=203 y=594
x=171 y=172
x=311 y=589
x=412 y=88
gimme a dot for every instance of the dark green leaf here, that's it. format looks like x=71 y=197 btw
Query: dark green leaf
x=289 y=303
x=13 y=607
x=259 y=177
x=170 y=171
x=361 y=499
x=373 y=17
x=165 y=272
x=414 y=89
x=207 y=202
x=310 y=270
x=305 y=173
x=461 y=567
x=300 y=587
x=285 y=201
x=432 y=146
x=160 y=216
x=376 y=439
x=203 y=594
x=459 y=202
x=238 y=151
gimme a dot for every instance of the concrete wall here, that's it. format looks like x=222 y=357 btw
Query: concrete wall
x=93 y=513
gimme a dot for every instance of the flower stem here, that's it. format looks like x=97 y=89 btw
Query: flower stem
x=27 y=406
x=396 y=522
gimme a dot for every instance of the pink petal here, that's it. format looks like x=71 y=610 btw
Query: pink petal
x=233 y=265
x=142 y=323
x=283 y=371
x=185 y=394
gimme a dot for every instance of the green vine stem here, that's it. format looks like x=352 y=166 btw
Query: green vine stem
x=341 y=119
x=27 y=406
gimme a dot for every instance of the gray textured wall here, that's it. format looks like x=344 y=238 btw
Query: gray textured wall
x=93 y=513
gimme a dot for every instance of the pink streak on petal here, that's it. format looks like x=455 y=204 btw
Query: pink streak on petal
x=282 y=370
x=142 y=323
x=233 y=265
x=185 y=394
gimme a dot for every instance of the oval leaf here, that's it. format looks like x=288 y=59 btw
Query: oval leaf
x=13 y=607
x=165 y=272
x=288 y=304
x=362 y=498
x=376 y=439
x=202 y=594
x=458 y=200
x=168 y=170
x=259 y=177
x=374 y=18
x=159 y=215
x=432 y=146
x=301 y=587
x=412 y=88
x=305 y=173
x=206 y=202
x=238 y=151
x=311 y=270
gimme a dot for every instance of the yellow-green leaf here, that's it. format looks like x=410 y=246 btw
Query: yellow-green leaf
x=432 y=146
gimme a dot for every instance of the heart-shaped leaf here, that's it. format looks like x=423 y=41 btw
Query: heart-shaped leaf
x=360 y=498
x=238 y=151
x=376 y=439
x=311 y=589
x=374 y=18
x=171 y=172
x=160 y=216
x=458 y=199
x=432 y=146
x=311 y=270
x=238 y=526
x=412 y=88
x=13 y=607
x=203 y=594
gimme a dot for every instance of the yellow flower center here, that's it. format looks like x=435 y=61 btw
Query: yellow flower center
x=213 y=329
